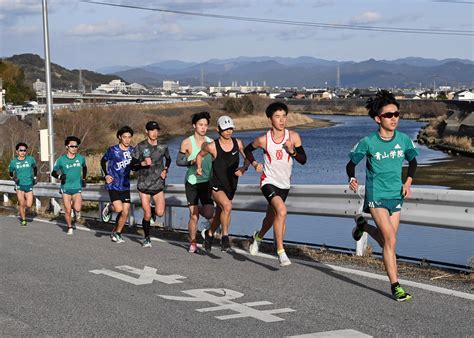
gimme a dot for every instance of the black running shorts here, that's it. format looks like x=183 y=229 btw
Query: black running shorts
x=117 y=195
x=269 y=191
x=198 y=192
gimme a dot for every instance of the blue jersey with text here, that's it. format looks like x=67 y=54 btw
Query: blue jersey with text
x=118 y=166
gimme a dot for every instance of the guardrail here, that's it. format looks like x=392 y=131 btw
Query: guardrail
x=452 y=209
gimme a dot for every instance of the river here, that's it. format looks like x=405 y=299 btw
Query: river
x=327 y=151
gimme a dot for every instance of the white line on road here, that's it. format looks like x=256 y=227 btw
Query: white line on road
x=337 y=333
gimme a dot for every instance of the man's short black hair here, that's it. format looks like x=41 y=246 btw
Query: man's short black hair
x=202 y=115
x=275 y=106
x=18 y=145
x=72 y=139
x=123 y=130
x=382 y=99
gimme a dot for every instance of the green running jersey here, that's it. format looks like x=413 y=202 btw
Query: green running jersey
x=23 y=169
x=384 y=164
x=191 y=176
x=72 y=168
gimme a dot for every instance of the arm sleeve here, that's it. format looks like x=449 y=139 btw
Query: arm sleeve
x=55 y=174
x=248 y=152
x=167 y=158
x=412 y=167
x=350 y=169
x=135 y=164
x=182 y=160
x=300 y=155
x=84 y=172
x=11 y=168
x=103 y=166
x=35 y=170
x=56 y=169
x=410 y=149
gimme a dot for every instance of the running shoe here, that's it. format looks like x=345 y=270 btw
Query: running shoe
x=358 y=230
x=400 y=295
x=106 y=214
x=283 y=259
x=193 y=247
x=23 y=222
x=255 y=245
x=225 y=244
x=207 y=240
x=147 y=243
x=69 y=231
x=112 y=233
x=117 y=238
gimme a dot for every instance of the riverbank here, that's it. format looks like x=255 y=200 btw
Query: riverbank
x=455 y=172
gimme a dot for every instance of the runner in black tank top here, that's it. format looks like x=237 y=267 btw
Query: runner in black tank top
x=223 y=169
x=225 y=173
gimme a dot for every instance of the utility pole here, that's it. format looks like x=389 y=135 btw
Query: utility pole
x=49 y=96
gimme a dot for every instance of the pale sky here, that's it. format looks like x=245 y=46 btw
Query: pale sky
x=89 y=36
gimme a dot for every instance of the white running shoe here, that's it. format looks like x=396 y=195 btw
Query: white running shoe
x=147 y=243
x=106 y=214
x=283 y=259
x=254 y=246
x=69 y=231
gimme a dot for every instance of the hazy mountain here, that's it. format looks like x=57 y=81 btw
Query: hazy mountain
x=313 y=72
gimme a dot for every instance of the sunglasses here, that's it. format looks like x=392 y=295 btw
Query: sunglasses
x=389 y=115
x=72 y=146
x=22 y=150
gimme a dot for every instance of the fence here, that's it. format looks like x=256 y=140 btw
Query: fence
x=452 y=209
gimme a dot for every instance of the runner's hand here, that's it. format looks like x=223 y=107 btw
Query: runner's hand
x=164 y=172
x=83 y=183
x=109 y=179
x=406 y=190
x=63 y=179
x=148 y=161
x=199 y=171
x=289 y=147
x=34 y=181
x=353 y=184
x=16 y=180
x=259 y=167
x=239 y=172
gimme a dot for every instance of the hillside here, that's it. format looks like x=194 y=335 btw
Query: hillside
x=309 y=72
x=61 y=78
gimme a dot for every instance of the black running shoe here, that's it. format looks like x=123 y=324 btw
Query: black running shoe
x=358 y=230
x=225 y=244
x=207 y=240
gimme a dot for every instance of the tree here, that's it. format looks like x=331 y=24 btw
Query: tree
x=247 y=105
x=233 y=106
x=14 y=83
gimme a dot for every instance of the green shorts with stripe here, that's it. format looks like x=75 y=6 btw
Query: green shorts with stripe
x=392 y=205
x=70 y=191
x=25 y=188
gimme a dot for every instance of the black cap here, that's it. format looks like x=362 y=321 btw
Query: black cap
x=150 y=125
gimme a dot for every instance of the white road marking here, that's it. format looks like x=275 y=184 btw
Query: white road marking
x=145 y=276
x=223 y=299
x=336 y=333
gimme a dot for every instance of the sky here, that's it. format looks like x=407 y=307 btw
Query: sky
x=90 y=36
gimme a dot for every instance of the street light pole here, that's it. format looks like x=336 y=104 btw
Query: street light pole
x=49 y=96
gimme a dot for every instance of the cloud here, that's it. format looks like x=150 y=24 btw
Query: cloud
x=368 y=17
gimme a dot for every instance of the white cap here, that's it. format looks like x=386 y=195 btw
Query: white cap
x=225 y=122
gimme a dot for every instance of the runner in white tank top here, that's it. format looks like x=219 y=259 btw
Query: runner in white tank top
x=280 y=146
x=277 y=163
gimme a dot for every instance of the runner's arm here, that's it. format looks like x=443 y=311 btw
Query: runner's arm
x=298 y=152
x=251 y=147
x=103 y=166
x=167 y=159
x=182 y=160
x=412 y=165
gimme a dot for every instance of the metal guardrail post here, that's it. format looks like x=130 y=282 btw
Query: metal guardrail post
x=37 y=204
x=168 y=216
x=131 y=215
x=361 y=245
x=56 y=207
x=6 y=199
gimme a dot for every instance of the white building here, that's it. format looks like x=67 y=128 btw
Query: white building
x=2 y=95
x=171 y=86
x=465 y=95
x=113 y=86
x=136 y=88
x=39 y=86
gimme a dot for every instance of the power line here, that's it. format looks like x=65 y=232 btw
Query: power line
x=299 y=23
x=455 y=2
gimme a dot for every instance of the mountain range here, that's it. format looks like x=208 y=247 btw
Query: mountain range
x=305 y=71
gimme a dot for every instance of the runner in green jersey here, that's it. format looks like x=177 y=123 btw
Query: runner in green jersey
x=71 y=169
x=385 y=150
x=23 y=171
x=197 y=187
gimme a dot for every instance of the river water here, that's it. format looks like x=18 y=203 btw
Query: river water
x=327 y=151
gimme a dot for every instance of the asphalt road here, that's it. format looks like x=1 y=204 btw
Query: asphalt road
x=85 y=285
